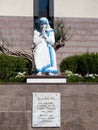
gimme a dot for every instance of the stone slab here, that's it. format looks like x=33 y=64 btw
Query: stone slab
x=46 y=110
x=46 y=79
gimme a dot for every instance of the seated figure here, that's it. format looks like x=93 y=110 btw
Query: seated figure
x=44 y=53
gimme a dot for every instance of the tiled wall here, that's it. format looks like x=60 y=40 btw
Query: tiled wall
x=84 y=39
x=17 y=31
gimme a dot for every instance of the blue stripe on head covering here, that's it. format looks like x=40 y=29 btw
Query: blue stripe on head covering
x=43 y=20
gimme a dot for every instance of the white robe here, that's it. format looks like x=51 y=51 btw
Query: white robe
x=44 y=53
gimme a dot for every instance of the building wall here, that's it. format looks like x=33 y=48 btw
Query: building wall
x=62 y=8
x=16 y=7
x=17 y=31
x=79 y=106
x=76 y=8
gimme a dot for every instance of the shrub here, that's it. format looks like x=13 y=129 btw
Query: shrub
x=69 y=63
x=74 y=77
x=88 y=63
x=82 y=64
x=71 y=77
x=10 y=67
x=91 y=78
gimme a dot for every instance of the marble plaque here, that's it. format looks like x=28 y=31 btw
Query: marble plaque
x=46 y=110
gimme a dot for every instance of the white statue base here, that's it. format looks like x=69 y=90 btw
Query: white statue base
x=45 y=79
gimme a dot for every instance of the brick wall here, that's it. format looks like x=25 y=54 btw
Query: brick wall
x=17 y=31
x=79 y=106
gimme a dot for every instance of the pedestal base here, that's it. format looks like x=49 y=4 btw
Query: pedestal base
x=45 y=79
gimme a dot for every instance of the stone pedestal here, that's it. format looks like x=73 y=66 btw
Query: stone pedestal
x=46 y=79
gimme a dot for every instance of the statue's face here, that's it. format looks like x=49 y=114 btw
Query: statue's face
x=43 y=26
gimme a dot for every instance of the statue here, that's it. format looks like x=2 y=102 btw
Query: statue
x=44 y=53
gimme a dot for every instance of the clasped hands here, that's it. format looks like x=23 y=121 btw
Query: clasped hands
x=44 y=34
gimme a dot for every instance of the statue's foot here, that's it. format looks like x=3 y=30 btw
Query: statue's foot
x=51 y=74
x=39 y=73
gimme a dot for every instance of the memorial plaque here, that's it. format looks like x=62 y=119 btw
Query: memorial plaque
x=46 y=110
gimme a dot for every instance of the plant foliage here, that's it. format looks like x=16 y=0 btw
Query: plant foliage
x=62 y=34
x=11 y=66
x=82 y=64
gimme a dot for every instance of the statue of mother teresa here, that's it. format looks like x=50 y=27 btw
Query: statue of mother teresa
x=44 y=53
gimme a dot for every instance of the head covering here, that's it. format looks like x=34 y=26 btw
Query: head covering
x=44 y=20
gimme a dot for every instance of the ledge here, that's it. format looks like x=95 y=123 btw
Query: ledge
x=46 y=79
